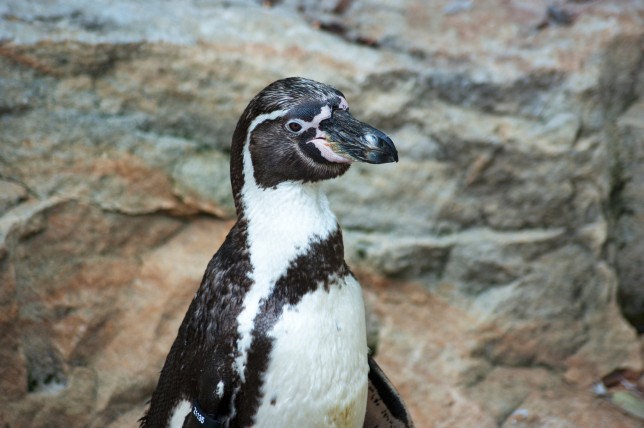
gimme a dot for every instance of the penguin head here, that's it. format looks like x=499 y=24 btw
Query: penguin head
x=298 y=129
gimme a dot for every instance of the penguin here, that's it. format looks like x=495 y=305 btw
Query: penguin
x=275 y=335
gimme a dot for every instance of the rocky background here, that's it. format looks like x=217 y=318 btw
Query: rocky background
x=502 y=257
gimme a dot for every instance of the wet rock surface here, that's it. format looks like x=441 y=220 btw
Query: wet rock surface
x=501 y=257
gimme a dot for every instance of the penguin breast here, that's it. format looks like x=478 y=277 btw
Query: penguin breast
x=317 y=371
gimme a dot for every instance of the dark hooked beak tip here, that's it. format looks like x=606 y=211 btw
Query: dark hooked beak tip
x=375 y=147
x=378 y=148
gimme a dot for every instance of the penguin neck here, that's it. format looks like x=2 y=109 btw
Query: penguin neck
x=282 y=222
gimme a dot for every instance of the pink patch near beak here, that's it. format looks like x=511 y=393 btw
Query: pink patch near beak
x=327 y=153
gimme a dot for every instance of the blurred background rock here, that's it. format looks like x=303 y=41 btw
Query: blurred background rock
x=502 y=257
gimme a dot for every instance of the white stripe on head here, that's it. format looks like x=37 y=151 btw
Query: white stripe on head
x=325 y=113
x=282 y=222
x=259 y=120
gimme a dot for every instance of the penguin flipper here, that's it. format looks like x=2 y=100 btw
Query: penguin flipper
x=385 y=407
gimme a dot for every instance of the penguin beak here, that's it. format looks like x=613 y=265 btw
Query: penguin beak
x=346 y=139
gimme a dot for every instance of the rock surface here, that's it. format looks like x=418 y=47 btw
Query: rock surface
x=498 y=255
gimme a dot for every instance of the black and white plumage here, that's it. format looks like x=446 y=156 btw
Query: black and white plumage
x=275 y=336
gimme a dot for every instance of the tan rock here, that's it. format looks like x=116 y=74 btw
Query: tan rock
x=566 y=407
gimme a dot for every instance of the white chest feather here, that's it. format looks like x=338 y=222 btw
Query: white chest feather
x=317 y=372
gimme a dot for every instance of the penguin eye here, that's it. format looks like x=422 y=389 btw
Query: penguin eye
x=294 y=126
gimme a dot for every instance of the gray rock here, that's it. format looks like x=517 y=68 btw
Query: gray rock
x=11 y=194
